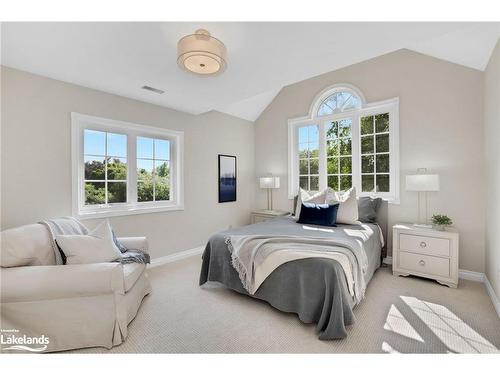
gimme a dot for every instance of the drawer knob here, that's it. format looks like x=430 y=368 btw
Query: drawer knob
x=422 y=263
x=423 y=244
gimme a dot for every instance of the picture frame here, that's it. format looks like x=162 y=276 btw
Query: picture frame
x=227 y=178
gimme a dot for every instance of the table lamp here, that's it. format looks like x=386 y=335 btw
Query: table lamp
x=422 y=183
x=269 y=183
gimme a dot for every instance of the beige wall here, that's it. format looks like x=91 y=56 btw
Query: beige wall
x=492 y=153
x=441 y=128
x=36 y=165
x=441 y=117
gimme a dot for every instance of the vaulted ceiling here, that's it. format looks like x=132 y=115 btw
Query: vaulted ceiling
x=120 y=58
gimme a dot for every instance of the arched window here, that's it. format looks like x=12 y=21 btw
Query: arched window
x=346 y=142
x=339 y=101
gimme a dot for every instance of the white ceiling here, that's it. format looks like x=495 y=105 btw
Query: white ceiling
x=121 y=57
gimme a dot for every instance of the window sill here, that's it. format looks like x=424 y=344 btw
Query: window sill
x=125 y=211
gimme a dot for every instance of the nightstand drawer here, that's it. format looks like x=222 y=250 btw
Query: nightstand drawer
x=424 y=245
x=424 y=264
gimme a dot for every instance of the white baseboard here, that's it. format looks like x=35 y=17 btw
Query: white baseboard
x=387 y=260
x=176 y=257
x=494 y=298
x=471 y=275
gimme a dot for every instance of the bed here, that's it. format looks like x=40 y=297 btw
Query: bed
x=314 y=288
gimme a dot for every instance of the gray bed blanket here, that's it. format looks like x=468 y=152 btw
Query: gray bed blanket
x=313 y=288
x=249 y=252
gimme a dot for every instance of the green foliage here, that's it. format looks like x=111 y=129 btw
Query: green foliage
x=367 y=125
x=332 y=131
x=374 y=143
x=161 y=190
x=382 y=163
x=332 y=165
x=368 y=182
x=345 y=129
x=367 y=164
x=346 y=165
x=367 y=145
x=332 y=147
x=95 y=192
x=333 y=182
x=375 y=158
x=144 y=186
x=345 y=182
x=117 y=192
x=163 y=170
x=382 y=123
x=345 y=147
x=94 y=170
x=382 y=142
x=441 y=220
x=117 y=170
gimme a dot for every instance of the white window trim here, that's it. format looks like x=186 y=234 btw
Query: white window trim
x=79 y=122
x=390 y=105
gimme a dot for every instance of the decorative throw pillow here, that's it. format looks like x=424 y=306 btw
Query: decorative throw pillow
x=348 y=209
x=318 y=214
x=368 y=208
x=306 y=197
x=96 y=247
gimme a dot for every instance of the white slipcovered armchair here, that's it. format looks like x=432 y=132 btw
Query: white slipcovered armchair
x=75 y=306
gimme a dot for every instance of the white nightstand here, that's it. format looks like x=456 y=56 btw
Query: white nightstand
x=425 y=252
x=263 y=215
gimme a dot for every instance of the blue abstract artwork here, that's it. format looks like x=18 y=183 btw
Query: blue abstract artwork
x=227 y=178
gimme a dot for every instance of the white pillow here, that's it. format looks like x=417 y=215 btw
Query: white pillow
x=348 y=208
x=96 y=247
x=306 y=197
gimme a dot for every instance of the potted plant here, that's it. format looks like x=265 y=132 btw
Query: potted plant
x=441 y=221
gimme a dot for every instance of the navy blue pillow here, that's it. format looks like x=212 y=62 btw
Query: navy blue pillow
x=318 y=214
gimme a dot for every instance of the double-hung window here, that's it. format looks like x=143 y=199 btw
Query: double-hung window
x=153 y=169
x=122 y=168
x=346 y=142
x=105 y=167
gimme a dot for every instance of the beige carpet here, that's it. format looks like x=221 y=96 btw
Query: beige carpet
x=398 y=315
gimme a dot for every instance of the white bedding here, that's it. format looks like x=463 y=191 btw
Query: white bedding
x=276 y=259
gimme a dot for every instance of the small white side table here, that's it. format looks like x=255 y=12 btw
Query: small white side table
x=425 y=252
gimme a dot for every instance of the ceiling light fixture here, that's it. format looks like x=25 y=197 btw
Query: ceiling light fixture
x=201 y=54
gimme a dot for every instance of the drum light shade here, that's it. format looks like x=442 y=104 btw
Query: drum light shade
x=201 y=54
x=269 y=182
x=422 y=182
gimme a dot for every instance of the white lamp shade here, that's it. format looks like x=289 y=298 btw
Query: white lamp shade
x=269 y=182
x=422 y=182
x=201 y=53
